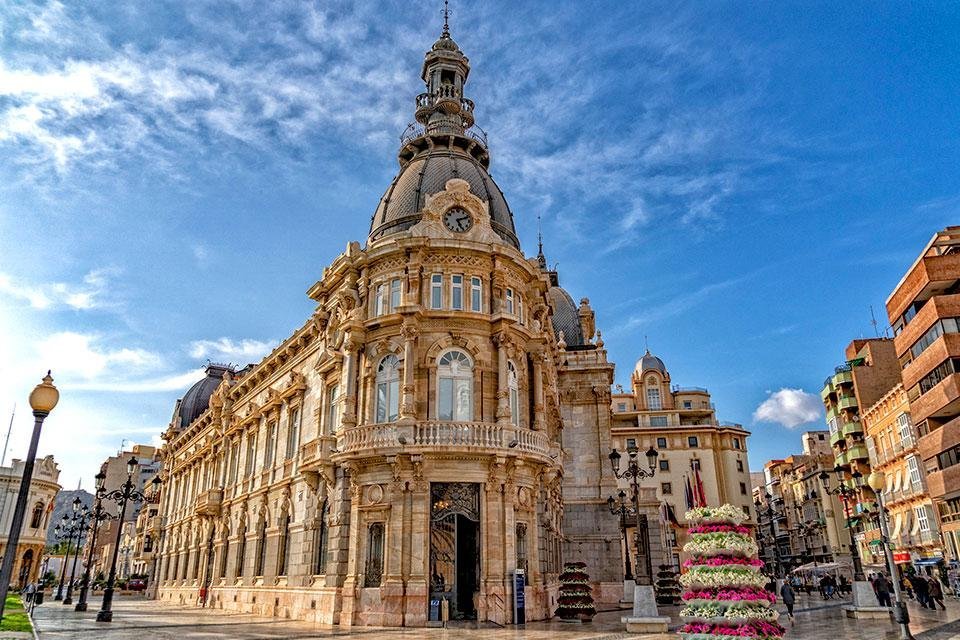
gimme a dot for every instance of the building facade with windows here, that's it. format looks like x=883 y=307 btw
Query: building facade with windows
x=681 y=424
x=923 y=310
x=44 y=487
x=892 y=443
x=441 y=421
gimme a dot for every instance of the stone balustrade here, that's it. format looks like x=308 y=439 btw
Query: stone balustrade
x=208 y=503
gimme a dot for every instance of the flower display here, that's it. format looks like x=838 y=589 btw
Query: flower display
x=575 y=601
x=724 y=589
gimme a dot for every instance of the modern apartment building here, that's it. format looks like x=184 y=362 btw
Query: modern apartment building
x=923 y=310
x=892 y=443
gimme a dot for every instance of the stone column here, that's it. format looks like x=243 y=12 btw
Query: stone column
x=502 y=341
x=408 y=411
x=418 y=591
x=392 y=591
x=539 y=419
x=353 y=581
x=351 y=348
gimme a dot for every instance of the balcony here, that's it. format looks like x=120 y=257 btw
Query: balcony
x=942 y=401
x=842 y=377
x=929 y=276
x=835 y=438
x=944 y=482
x=857 y=452
x=826 y=391
x=832 y=412
x=851 y=428
x=847 y=402
x=439 y=437
x=209 y=502
x=155 y=523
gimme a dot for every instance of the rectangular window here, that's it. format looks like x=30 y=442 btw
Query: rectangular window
x=695 y=464
x=520 y=309
x=333 y=414
x=740 y=465
x=921 y=514
x=631 y=443
x=905 y=429
x=743 y=489
x=658 y=421
x=378 y=300
x=509 y=302
x=456 y=292
x=661 y=443
x=666 y=488
x=293 y=432
x=693 y=441
x=234 y=461
x=736 y=442
x=621 y=407
x=476 y=295
x=268 y=455
x=664 y=465
x=914 y=467
x=251 y=453
x=653 y=399
x=687 y=404
x=395 y=289
x=436 y=291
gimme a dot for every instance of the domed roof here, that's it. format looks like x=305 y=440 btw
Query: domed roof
x=445 y=43
x=426 y=174
x=197 y=398
x=565 y=317
x=650 y=362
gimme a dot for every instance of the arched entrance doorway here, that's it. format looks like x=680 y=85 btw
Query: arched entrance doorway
x=26 y=565
x=455 y=546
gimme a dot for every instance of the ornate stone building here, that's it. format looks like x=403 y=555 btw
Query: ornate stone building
x=440 y=421
x=40 y=502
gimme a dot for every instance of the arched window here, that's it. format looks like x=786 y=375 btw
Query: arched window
x=261 y=547
x=513 y=388
x=455 y=386
x=37 y=516
x=388 y=389
x=374 y=569
x=321 y=540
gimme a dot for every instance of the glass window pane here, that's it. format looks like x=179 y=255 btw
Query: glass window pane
x=445 y=399
x=394 y=400
x=464 y=400
x=394 y=294
x=382 y=402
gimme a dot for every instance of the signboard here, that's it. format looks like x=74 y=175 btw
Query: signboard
x=519 y=597
x=434 y=609
x=901 y=558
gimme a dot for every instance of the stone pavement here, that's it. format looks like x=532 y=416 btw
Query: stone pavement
x=137 y=619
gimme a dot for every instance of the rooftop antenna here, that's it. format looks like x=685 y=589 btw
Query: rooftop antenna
x=446 y=18
x=6 y=442
x=646 y=345
x=873 y=321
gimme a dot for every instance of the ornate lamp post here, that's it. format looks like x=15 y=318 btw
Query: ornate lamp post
x=620 y=507
x=876 y=481
x=98 y=515
x=769 y=512
x=846 y=495
x=43 y=399
x=61 y=533
x=634 y=473
x=121 y=496
x=80 y=514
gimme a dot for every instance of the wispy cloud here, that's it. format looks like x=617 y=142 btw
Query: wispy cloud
x=93 y=292
x=790 y=408
x=227 y=349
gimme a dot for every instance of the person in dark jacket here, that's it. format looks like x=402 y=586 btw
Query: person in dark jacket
x=935 y=593
x=789 y=598
x=921 y=588
x=881 y=587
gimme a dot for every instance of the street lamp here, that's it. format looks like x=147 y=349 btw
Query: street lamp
x=43 y=399
x=80 y=514
x=846 y=495
x=60 y=533
x=634 y=473
x=876 y=481
x=98 y=515
x=619 y=507
x=121 y=496
x=771 y=513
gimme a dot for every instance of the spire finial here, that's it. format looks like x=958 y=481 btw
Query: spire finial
x=541 y=259
x=446 y=18
x=646 y=344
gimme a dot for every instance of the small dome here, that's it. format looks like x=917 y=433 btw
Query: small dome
x=427 y=174
x=565 y=317
x=445 y=43
x=650 y=362
x=197 y=398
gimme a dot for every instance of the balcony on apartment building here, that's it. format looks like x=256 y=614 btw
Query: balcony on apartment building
x=208 y=503
x=944 y=482
x=930 y=276
x=939 y=405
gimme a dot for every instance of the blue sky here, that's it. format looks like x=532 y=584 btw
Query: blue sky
x=739 y=182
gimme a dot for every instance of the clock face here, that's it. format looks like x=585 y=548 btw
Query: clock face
x=457 y=220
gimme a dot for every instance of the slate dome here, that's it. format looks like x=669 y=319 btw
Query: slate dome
x=565 y=317
x=197 y=398
x=650 y=362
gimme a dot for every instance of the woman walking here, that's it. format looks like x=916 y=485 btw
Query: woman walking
x=935 y=593
x=789 y=598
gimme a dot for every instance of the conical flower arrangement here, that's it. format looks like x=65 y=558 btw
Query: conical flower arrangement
x=723 y=587
x=575 y=602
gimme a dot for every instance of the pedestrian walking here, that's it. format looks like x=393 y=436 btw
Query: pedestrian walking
x=921 y=588
x=936 y=593
x=881 y=586
x=907 y=586
x=789 y=598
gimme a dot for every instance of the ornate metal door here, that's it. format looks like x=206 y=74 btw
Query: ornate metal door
x=455 y=546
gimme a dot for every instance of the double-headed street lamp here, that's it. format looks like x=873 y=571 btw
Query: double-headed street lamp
x=61 y=532
x=772 y=514
x=98 y=515
x=126 y=493
x=79 y=524
x=620 y=507
x=634 y=473
x=847 y=494
x=876 y=482
x=43 y=399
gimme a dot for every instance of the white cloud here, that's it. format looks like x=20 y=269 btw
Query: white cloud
x=80 y=356
x=790 y=408
x=91 y=293
x=227 y=349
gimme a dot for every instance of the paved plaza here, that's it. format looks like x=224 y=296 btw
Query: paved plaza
x=136 y=618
